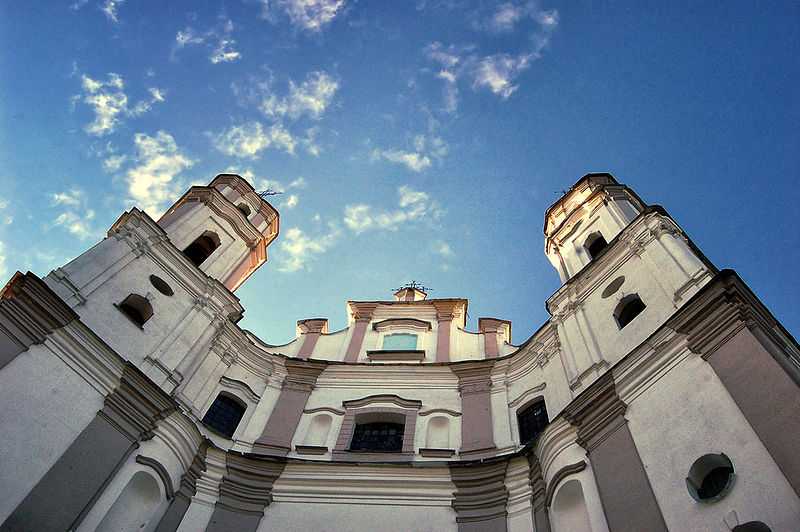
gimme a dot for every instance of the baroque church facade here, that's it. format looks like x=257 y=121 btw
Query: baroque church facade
x=660 y=394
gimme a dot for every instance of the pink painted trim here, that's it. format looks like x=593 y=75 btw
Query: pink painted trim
x=490 y=344
x=356 y=341
x=443 y=340
x=311 y=330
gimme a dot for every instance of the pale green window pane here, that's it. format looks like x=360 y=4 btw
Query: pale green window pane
x=400 y=342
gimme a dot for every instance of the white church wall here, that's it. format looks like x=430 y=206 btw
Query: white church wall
x=46 y=405
x=671 y=432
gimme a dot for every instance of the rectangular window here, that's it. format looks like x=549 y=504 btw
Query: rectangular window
x=400 y=342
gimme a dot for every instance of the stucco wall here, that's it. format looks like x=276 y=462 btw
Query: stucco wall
x=686 y=414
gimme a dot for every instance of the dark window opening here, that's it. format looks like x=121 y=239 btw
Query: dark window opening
x=531 y=420
x=630 y=307
x=715 y=482
x=595 y=244
x=710 y=477
x=378 y=436
x=161 y=285
x=244 y=209
x=137 y=308
x=224 y=415
x=751 y=526
x=202 y=248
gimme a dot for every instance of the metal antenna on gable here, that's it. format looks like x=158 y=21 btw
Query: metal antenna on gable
x=416 y=286
x=269 y=192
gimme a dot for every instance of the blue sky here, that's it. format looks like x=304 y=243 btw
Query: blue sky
x=412 y=139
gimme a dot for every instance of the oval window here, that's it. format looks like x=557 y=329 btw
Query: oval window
x=613 y=286
x=710 y=478
x=161 y=285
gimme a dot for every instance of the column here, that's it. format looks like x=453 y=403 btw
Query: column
x=311 y=331
x=446 y=312
x=244 y=493
x=628 y=500
x=491 y=329
x=183 y=497
x=362 y=315
x=736 y=337
x=276 y=440
x=481 y=496
x=541 y=520
x=477 y=430
x=68 y=490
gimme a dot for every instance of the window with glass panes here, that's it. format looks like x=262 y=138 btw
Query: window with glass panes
x=378 y=436
x=224 y=415
x=532 y=421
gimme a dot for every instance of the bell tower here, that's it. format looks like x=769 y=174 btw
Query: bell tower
x=158 y=292
x=625 y=267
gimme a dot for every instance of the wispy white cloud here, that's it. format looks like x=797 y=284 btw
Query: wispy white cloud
x=299 y=249
x=108 y=101
x=412 y=205
x=76 y=216
x=249 y=139
x=114 y=162
x=3 y=269
x=291 y=201
x=309 y=15
x=311 y=98
x=5 y=218
x=497 y=72
x=110 y=8
x=443 y=248
x=222 y=47
x=153 y=180
x=426 y=149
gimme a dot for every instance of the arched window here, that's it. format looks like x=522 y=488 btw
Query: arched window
x=751 y=526
x=378 y=436
x=532 y=420
x=595 y=244
x=710 y=477
x=224 y=415
x=627 y=309
x=244 y=209
x=137 y=308
x=202 y=248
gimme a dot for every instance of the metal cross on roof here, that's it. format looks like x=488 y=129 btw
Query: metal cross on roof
x=415 y=286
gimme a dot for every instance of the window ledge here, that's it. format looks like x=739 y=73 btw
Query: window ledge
x=437 y=453
x=384 y=355
x=310 y=449
x=373 y=456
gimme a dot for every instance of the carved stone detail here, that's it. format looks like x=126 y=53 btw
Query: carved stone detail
x=481 y=494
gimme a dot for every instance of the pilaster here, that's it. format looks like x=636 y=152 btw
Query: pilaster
x=481 y=496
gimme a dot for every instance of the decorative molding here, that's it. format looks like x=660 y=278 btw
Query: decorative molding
x=161 y=471
x=481 y=493
x=560 y=475
x=439 y=411
x=437 y=453
x=136 y=405
x=597 y=412
x=382 y=398
x=524 y=395
x=310 y=449
x=247 y=484
x=29 y=312
x=387 y=355
x=401 y=323
x=329 y=409
x=241 y=386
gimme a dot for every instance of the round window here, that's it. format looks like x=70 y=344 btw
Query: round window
x=161 y=285
x=710 y=478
